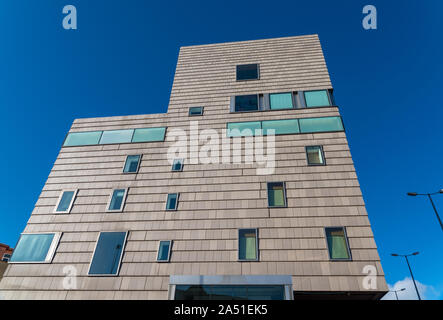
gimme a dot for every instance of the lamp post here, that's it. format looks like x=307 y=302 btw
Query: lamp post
x=410 y=270
x=414 y=194
x=395 y=291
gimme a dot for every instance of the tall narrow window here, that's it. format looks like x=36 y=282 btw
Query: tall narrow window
x=132 y=163
x=172 y=201
x=247 y=72
x=315 y=156
x=276 y=194
x=195 y=111
x=164 y=251
x=35 y=247
x=337 y=243
x=65 y=201
x=108 y=253
x=117 y=200
x=280 y=101
x=177 y=165
x=317 y=98
x=246 y=103
x=247 y=244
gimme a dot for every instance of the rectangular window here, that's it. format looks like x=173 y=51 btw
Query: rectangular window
x=82 y=138
x=315 y=156
x=149 y=134
x=108 y=253
x=280 y=101
x=116 y=136
x=337 y=243
x=35 y=248
x=117 y=200
x=276 y=194
x=281 y=126
x=246 y=103
x=242 y=129
x=177 y=165
x=247 y=245
x=172 y=201
x=247 y=72
x=164 y=251
x=6 y=257
x=317 y=98
x=325 y=124
x=132 y=163
x=196 y=111
x=65 y=201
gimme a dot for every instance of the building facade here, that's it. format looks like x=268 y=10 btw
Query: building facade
x=122 y=216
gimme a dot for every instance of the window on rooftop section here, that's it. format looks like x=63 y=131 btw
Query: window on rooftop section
x=195 y=111
x=35 y=247
x=172 y=201
x=315 y=155
x=65 y=201
x=6 y=257
x=177 y=165
x=276 y=194
x=338 y=246
x=117 y=200
x=246 y=103
x=132 y=163
x=317 y=98
x=108 y=254
x=247 y=72
x=164 y=250
x=279 y=101
x=247 y=245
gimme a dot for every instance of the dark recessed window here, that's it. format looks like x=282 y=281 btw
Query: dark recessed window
x=247 y=244
x=172 y=201
x=164 y=250
x=132 y=163
x=247 y=72
x=337 y=243
x=177 y=165
x=195 y=111
x=315 y=156
x=117 y=200
x=65 y=201
x=276 y=194
x=246 y=103
x=6 y=257
x=108 y=253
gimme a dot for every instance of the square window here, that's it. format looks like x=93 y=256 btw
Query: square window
x=108 y=254
x=196 y=111
x=132 y=163
x=65 y=201
x=247 y=72
x=164 y=251
x=276 y=194
x=177 y=165
x=246 y=103
x=337 y=241
x=281 y=101
x=6 y=257
x=172 y=202
x=117 y=200
x=317 y=98
x=35 y=248
x=315 y=156
x=247 y=245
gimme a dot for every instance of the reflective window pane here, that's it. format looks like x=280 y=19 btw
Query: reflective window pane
x=276 y=194
x=337 y=244
x=229 y=292
x=242 y=129
x=33 y=248
x=163 y=250
x=281 y=126
x=82 y=138
x=247 y=246
x=317 y=98
x=117 y=199
x=171 y=203
x=116 y=136
x=280 y=101
x=195 y=111
x=149 y=135
x=324 y=124
x=65 y=201
x=108 y=253
x=247 y=72
x=246 y=103
x=131 y=164
x=177 y=165
x=314 y=155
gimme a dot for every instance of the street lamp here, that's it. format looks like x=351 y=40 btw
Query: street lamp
x=414 y=194
x=395 y=291
x=410 y=270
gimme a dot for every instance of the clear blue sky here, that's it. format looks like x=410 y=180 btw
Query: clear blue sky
x=121 y=61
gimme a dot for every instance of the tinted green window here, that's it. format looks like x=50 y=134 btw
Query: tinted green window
x=82 y=138
x=163 y=251
x=241 y=129
x=196 y=111
x=149 y=134
x=171 y=203
x=247 y=246
x=177 y=165
x=247 y=72
x=280 y=101
x=229 y=292
x=314 y=155
x=131 y=164
x=321 y=124
x=281 y=126
x=317 y=98
x=117 y=198
x=65 y=201
x=337 y=243
x=276 y=194
x=116 y=136
x=108 y=253
x=33 y=248
x=246 y=103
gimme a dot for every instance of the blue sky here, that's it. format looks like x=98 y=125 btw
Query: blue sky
x=121 y=61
